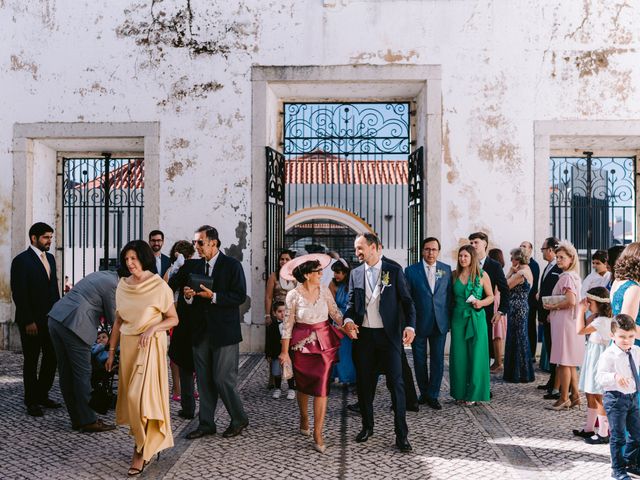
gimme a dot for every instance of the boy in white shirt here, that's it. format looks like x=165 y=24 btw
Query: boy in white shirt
x=618 y=374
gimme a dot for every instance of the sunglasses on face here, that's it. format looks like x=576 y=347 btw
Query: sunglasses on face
x=197 y=242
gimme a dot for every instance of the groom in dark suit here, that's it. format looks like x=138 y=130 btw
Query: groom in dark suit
x=430 y=283
x=214 y=316
x=378 y=301
x=34 y=287
x=480 y=242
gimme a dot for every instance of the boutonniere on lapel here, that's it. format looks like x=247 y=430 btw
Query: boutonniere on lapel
x=439 y=274
x=385 y=281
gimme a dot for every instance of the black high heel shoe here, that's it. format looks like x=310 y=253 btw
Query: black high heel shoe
x=133 y=471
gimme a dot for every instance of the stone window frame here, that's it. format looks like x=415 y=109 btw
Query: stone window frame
x=36 y=149
x=272 y=85
x=571 y=138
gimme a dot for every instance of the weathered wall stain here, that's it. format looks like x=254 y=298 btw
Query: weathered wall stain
x=19 y=64
x=5 y=290
x=452 y=174
x=198 y=90
x=388 y=56
x=178 y=168
x=177 y=143
x=592 y=62
x=208 y=31
x=95 y=87
x=236 y=251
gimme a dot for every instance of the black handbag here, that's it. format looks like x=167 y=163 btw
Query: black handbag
x=195 y=280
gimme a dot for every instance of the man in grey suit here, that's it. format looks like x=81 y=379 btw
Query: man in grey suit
x=430 y=283
x=73 y=325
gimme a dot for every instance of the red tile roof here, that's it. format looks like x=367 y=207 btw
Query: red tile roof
x=130 y=175
x=322 y=168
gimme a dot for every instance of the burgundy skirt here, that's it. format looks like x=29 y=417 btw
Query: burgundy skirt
x=315 y=351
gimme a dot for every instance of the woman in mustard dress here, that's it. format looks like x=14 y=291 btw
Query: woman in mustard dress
x=469 y=351
x=144 y=312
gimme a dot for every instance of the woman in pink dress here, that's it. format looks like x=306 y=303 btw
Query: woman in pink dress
x=499 y=325
x=567 y=350
x=313 y=341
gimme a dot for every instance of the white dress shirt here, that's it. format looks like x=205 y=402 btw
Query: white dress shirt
x=614 y=361
x=430 y=272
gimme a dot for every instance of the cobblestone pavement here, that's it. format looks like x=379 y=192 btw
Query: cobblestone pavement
x=512 y=438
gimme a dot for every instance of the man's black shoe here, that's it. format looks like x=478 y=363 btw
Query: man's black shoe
x=234 y=431
x=434 y=403
x=364 y=435
x=97 y=426
x=197 y=433
x=403 y=445
x=354 y=407
x=48 y=403
x=543 y=387
x=413 y=408
x=422 y=399
x=35 y=411
x=583 y=434
x=633 y=470
x=551 y=396
x=597 y=440
x=182 y=414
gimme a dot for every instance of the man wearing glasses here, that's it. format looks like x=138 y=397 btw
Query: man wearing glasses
x=548 y=280
x=430 y=283
x=214 y=314
x=156 y=241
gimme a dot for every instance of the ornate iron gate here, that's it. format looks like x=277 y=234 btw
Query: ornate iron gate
x=416 y=204
x=275 y=208
x=102 y=206
x=593 y=201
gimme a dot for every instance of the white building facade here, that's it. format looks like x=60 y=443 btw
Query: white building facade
x=196 y=88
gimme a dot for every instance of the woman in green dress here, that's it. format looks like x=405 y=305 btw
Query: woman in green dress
x=469 y=352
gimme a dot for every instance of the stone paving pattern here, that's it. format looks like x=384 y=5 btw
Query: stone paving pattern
x=512 y=438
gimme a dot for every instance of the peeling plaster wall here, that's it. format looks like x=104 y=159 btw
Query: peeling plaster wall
x=186 y=64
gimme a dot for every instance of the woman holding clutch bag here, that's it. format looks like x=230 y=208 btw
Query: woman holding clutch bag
x=314 y=342
x=567 y=347
x=469 y=351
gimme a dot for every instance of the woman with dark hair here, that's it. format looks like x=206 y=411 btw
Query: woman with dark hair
x=276 y=291
x=499 y=325
x=144 y=312
x=625 y=290
x=314 y=342
x=469 y=353
x=180 y=350
x=345 y=370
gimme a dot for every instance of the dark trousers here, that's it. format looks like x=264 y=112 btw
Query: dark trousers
x=217 y=374
x=74 y=372
x=489 y=316
x=429 y=378
x=372 y=353
x=37 y=385
x=187 y=400
x=410 y=395
x=623 y=415
x=532 y=329
x=552 y=366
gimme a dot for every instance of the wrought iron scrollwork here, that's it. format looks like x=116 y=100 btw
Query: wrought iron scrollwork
x=416 y=203
x=346 y=128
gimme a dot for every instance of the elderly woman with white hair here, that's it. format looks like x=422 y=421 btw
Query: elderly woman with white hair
x=567 y=350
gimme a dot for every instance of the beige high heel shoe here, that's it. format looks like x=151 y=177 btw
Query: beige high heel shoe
x=558 y=407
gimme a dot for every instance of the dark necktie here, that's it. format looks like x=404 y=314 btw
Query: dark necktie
x=634 y=370
x=206 y=268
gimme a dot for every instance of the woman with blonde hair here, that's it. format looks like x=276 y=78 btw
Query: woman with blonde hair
x=469 y=353
x=567 y=347
x=625 y=291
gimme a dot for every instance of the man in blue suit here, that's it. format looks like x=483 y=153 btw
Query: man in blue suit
x=430 y=283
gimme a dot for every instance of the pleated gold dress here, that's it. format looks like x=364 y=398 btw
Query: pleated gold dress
x=143 y=382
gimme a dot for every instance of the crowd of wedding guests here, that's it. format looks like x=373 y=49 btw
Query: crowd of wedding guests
x=331 y=322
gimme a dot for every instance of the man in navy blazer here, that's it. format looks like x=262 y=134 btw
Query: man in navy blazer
x=430 y=284
x=381 y=319
x=214 y=318
x=34 y=288
x=156 y=241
